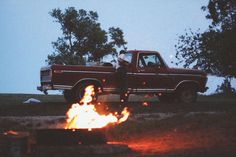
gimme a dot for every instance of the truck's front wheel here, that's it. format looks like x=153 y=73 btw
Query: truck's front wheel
x=69 y=96
x=187 y=94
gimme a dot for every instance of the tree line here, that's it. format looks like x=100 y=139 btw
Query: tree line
x=82 y=36
x=213 y=50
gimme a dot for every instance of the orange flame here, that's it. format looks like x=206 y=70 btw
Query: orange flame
x=84 y=115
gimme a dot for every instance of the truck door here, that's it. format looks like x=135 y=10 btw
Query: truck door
x=150 y=76
x=130 y=75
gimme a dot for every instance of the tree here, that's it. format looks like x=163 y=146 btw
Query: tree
x=83 y=36
x=215 y=49
x=225 y=87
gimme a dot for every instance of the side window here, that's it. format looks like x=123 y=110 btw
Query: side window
x=148 y=61
x=128 y=57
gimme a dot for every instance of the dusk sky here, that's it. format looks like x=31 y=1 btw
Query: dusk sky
x=27 y=30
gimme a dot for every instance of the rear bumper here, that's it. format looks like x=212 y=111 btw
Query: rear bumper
x=44 y=88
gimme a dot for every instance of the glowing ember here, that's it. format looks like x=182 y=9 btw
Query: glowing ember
x=11 y=132
x=83 y=115
x=145 y=104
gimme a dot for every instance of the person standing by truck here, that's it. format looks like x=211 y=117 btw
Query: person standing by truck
x=121 y=73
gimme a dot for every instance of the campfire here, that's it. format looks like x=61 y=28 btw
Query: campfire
x=83 y=115
x=84 y=124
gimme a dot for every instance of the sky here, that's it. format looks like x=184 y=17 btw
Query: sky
x=27 y=30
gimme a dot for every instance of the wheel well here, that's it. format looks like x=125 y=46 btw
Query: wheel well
x=94 y=82
x=190 y=84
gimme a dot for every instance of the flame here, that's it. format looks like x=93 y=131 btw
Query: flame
x=83 y=115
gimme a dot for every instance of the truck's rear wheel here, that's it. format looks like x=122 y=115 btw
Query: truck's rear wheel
x=69 y=96
x=187 y=94
x=167 y=97
x=79 y=92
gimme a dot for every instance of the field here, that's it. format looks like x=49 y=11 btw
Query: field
x=204 y=128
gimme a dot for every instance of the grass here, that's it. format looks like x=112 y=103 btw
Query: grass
x=220 y=98
x=16 y=99
x=12 y=104
x=198 y=135
x=132 y=129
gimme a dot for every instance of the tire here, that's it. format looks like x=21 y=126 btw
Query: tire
x=79 y=92
x=168 y=97
x=187 y=94
x=69 y=96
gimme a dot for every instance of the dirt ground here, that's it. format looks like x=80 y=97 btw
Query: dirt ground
x=206 y=128
x=192 y=138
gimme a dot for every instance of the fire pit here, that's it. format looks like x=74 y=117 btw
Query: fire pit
x=84 y=125
x=83 y=133
x=74 y=143
x=70 y=136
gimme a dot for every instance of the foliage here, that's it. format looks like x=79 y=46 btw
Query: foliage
x=225 y=87
x=83 y=36
x=215 y=49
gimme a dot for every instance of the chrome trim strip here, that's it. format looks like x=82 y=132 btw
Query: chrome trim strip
x=159 y=74
x=133 y=90
x=62 y=86
x=150 y=90
x=67 y=71
x=130 y=73
x=154 y=90
x=110 y=89
x=170 y=90
x=199 y=75
x=154 y=74
x=90 y=72
x=140 y=90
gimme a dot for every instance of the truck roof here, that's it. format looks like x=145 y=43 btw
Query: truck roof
x=143 y=51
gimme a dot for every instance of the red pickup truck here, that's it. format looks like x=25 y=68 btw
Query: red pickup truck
x=147 y=73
